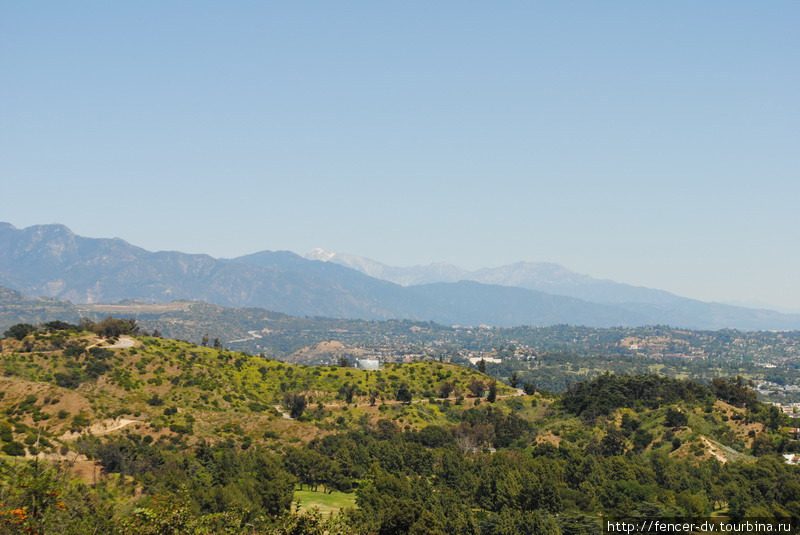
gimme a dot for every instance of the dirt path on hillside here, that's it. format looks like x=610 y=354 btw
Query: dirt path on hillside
x=103 y=427
x=121 y=343
x=286 y=415
x=713 y=450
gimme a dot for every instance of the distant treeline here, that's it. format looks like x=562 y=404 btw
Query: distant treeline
x=107 y=328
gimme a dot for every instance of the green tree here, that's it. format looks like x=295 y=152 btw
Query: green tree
x=641 y=439
x=491 y=397
x=295 y=403
x=613 y=443
x=445 y=389
x=404 y=394
x=477 y=387
x=115 y=327
x=348 y=391
x=676 y=418
x=736 y=391
x=19 y=331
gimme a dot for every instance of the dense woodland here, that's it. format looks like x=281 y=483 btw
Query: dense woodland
x=406 y=483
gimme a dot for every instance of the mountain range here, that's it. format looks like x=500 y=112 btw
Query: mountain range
x=541 y=276
x=51 y=261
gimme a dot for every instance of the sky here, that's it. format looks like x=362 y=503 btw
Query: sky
x=653 y=143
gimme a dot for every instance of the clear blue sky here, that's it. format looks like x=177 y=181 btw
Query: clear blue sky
x=654 y=143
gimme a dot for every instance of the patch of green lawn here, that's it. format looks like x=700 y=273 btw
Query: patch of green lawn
x=326 y=503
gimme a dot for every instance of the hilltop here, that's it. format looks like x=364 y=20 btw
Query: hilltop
x=68 y=382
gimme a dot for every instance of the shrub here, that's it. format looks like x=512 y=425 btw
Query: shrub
x=181 y=429
x=68 y=380
x=256 y=406
x=155 y=401
x=14 y=448
x=79 y=421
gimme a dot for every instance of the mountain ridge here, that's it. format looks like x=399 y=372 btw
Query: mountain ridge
x=51 y=261
x=547 y=277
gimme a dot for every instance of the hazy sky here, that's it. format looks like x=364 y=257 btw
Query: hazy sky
x=654 y=143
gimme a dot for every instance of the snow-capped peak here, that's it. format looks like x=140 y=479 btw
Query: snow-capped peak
x=320 y=254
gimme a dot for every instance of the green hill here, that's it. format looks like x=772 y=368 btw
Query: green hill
x=136 y=434
x=69 y=382
x=551 y=357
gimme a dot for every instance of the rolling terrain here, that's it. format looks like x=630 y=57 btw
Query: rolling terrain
x=554 y=356
x=137 y=434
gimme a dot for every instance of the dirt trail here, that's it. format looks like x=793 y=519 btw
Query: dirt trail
x=286 y=415
x=715 y=451
x=123 y=342
x=101 y=428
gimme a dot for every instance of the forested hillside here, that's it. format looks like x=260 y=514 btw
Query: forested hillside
x=104 y=430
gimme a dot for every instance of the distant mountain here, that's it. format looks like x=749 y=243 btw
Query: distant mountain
x=51 y=261
x=556 y=279
x=760 y=305
x=642 y=305
x=404 y=276
x=472 y=303
x=542 y=276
